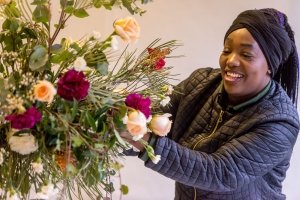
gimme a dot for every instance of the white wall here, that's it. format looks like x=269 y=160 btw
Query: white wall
x=200 y=25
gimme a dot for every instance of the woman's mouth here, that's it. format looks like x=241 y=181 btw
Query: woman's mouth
x=232 y=76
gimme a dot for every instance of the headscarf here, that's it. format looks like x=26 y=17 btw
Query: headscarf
x=270 y=29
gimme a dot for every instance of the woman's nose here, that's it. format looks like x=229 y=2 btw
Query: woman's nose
x=233 y=60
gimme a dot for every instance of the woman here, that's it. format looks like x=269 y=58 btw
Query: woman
x=234 y=128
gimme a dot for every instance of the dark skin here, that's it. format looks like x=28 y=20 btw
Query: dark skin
x=244 y=72
x=244 y=67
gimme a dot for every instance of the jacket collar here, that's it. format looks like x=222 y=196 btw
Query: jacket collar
x=223 y=99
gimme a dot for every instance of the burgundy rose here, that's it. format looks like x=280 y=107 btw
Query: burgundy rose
x=72 y=85
x=25 y=120
x=159 y=64
x=137 y=102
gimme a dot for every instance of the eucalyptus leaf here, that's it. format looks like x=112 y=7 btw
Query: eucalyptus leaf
x=65 y=3
x=41 y=14
x=103 y=68
x=81 y=13
x=38 y=58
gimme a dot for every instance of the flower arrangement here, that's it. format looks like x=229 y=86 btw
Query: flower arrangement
x=64 y=103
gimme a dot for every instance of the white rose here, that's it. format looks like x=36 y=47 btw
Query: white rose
x=114 y=43
x=137 y=124
x=80 y=64
x=155 y=159
x=160 y=124
x=165 y=101
x=23 y=144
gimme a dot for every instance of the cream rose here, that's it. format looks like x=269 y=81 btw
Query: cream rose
x=80 y=64
x=128 y=29
x=4 y=2
x=160 y=124
x=23 y=144
x=137 y=124
x=44 y=91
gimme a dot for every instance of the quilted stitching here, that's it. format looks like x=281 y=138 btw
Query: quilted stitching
x=240 y=160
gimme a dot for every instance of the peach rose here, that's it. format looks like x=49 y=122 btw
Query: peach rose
x=44 y=91
x=137 y=124
x=4 y=2
x=160 y=124
x=128 y=29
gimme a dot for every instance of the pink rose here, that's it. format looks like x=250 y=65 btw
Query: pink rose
x=160 y=124
x=138 y=102
x=73 y=85
x=137 y=124
x=128 y=29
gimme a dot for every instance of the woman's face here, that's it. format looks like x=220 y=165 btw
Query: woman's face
x=244 y=67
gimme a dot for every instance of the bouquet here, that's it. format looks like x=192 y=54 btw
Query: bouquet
x=64 y=103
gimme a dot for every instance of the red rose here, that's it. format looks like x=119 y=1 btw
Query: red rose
x=73 y=85
x=25 y=120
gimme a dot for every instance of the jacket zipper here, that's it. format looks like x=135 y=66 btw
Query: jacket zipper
x=220 y=119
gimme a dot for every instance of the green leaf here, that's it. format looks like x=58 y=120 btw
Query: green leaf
x=41 y=14
x=127 y=5
x=69 y=9
x=61 y=56
x=29 y=33
x=12 y=11
x=124 y=189
x=38 y=58
x=39 y=2
x=1 y=70
x=76 y=141
x=13 y=26
x=91 y=121
x=120 y=140
x=103 y=68
x=81 y=13
x=74 y=110
x=66 y=3
x=97 y=3
x=9 y=43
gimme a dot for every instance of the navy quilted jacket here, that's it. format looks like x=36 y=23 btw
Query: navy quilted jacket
x=214 y=152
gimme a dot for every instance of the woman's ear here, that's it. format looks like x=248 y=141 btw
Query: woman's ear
x=269 y=72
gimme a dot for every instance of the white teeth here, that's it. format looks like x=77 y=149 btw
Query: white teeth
x=235 y=75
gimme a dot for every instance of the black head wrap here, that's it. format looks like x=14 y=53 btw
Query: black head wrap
x=270 y=29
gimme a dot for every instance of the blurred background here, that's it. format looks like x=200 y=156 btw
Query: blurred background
x=200 y=26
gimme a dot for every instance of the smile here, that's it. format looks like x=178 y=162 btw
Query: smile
x=232 y=76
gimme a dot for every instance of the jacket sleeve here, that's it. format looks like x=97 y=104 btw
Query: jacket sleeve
x=236 y=163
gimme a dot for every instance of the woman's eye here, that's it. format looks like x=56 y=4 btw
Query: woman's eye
x=225 y=51
x=247 y=55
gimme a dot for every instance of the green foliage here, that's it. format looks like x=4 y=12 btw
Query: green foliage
x=78 y=140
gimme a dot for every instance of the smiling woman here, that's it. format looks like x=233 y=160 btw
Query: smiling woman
x=234 y=128
x=243 y=64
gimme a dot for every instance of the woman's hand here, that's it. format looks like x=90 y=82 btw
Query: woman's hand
x=137 y=144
